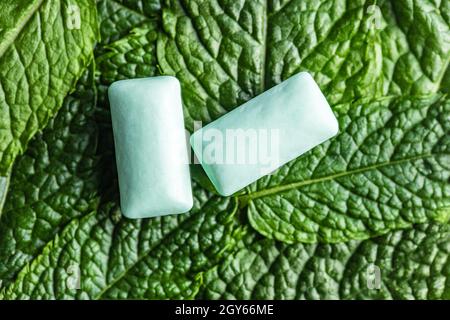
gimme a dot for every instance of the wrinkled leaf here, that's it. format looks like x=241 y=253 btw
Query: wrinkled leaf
x=117 y=18
x=132 y=259
x=56 y=180
x=226 y=52
x=44 y=49
x=387 y=169
x=410 y=264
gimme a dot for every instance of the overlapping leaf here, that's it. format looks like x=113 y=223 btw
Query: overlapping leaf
x=62 y=235
x=56 y=180
x=132 y=259
x=226 y=52
x=130 y=57
x=44 y=48
x=118 y=18
x=387 y=169
x=410 y=264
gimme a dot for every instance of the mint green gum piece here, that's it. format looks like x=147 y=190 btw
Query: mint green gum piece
x=151 y=148
x=295 y=108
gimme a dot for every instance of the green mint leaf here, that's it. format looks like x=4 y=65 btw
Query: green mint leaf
x=407 y=264
x=227 y=52
x=387 y=169
x=133 y=56
x=70 y=167
x=4 y=184
x=133 y=259
x=56 y=180
x=416 y=42
x=117 y=18
x=44 y=49
x=446 y=81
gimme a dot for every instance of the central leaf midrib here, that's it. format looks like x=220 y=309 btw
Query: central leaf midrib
x=244 y=199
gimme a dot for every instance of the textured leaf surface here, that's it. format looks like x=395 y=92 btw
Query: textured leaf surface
x=4 y=184
x=416 y=45
x=387 y=169
x=55 y=181
x=134 y=56
x=226 y=52
x=118 y=17
x=133 y=259
x=413 y=264
x=40 y=61
x=70 y=167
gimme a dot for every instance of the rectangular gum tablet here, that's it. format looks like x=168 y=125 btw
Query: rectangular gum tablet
x=150 y=143
x=264 y=133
